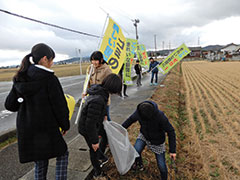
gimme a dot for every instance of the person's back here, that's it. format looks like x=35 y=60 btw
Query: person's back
x=153 y=126
x=38 y=97
x=93 y=113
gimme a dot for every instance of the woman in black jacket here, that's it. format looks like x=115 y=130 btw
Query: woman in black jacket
x=94 y=111
x=154 y=124
x=38 y=98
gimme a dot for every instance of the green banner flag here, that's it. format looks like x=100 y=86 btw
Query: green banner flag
x=142 y=55
x=131 y=45
x=175 y=57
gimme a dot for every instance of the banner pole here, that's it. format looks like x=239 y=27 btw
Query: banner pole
x=100 y=39
x=84 y=92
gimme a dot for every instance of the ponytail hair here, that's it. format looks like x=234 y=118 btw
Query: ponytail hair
x=37 y=53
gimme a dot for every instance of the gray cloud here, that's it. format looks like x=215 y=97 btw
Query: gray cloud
x=168 y=25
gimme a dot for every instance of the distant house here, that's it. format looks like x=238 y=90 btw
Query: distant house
x=196 y=52
x=231 y=51
x=230 y=48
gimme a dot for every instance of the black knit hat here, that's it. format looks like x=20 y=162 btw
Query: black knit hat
x=146 y=110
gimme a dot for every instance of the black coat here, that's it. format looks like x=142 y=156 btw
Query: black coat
x=138 y=68
x=154 y=129
x=40 y=114
x=93 y=112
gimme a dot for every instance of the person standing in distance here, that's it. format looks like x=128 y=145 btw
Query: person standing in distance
x=154 y=69
x=138 y=70
x=124 y=84
x=38 y=97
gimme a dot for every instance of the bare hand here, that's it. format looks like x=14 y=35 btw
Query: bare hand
x=64 y=133
x=95 y=146
x=173 y=156
x=105 y=118
x=83 y=95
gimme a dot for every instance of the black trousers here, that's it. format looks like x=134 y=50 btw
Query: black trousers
x=94 y=156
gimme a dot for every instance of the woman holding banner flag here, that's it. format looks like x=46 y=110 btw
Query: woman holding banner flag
x=100 y=71
x=154 y=69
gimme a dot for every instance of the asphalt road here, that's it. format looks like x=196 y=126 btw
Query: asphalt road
x=71 y=85
x=10 y=168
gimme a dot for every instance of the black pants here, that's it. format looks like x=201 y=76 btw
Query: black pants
x=104 y=140
x=94 y=156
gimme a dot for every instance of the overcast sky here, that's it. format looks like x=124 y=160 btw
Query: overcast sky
x=172 y=21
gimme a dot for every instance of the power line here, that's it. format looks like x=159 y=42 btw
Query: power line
x=48 y=24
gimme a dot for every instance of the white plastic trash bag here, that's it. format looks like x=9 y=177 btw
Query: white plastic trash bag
x=123 y=152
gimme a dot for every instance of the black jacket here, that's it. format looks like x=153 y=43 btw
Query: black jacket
x=40 y=114
x=93 y=112
x=154 y=130
x=138 y=68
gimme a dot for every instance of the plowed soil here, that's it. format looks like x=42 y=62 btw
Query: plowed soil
x=201 y=100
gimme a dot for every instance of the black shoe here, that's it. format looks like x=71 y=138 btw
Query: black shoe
x=102 y=162
x=137 y=167
x=125 y=95
x=101 y=176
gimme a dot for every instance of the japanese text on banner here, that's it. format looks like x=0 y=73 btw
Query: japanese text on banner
x=175 y=57
x=113 y=46
x=142 y=55
x=131 y=45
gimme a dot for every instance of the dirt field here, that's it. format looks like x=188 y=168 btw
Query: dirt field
x=212 y=102
x=201 y=100
x=60 y=71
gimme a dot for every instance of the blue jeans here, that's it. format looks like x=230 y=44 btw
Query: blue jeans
x=108 y=114
x=156 y=77
x=139 y=146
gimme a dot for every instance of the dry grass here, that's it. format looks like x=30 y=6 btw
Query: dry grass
x=213 y=100
x=170 y=100
x=60 y=71
x=202 y=103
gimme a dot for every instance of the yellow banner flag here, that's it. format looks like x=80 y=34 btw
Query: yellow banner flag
x=175 y=57
x=113 y=46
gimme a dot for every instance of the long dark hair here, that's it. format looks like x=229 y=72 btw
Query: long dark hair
x=37 y=53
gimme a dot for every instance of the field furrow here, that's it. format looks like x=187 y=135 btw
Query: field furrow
x=213 y=99
x=214 y=160
x=227 y=104
x=195 y=143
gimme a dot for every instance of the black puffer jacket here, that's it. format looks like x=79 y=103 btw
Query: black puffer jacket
x=93 y=112
x=154 y=129
x=40 y=114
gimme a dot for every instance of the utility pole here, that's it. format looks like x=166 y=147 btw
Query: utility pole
x=135 y=24
x=80 y=60
x=163 y=45
x=155 y=42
